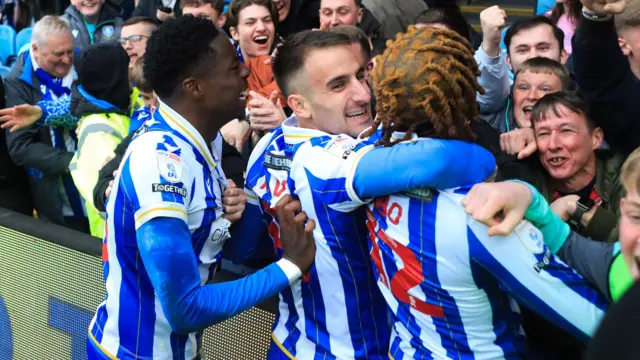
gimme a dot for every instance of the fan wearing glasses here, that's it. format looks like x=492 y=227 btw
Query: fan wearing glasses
x=134 y=35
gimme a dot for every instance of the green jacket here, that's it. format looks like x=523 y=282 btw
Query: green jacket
x=604 y=224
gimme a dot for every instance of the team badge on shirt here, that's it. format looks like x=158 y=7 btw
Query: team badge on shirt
x=108 y=31
x=530 y=237
x=170 y=166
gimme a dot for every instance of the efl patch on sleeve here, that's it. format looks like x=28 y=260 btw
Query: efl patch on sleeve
x=167 y=188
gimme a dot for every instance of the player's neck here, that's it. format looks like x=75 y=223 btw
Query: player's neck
x=200 y=121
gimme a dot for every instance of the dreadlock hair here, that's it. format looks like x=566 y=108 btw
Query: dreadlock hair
x=425 y=83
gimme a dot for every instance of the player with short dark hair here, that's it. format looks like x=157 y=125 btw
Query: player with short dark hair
x=167 y=220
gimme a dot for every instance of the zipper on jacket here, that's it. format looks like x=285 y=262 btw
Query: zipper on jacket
x=98 y=25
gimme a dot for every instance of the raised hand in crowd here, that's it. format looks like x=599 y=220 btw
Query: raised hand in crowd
x=500 y=206
x=605 y=6
x=234 y=202
x=296 y=233
x=20 y=116
x=493 y=20
x=521 y=142
x=165 y=15
x=265 y=114
x=565 y=206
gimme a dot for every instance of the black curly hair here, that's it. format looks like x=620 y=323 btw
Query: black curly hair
x=176 y=50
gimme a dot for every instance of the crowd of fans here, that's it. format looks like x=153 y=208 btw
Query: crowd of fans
x=556 y=108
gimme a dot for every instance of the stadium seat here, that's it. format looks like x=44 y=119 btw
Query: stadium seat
x=4 y=70
x=7 y=42
x=23 y=38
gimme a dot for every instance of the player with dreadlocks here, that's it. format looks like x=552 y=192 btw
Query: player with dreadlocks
x=449 y=285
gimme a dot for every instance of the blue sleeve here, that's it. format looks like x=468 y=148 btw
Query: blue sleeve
x=248 y=236
x=57 y=113
x=169 y=260
x=438 y=164
x=527 y=270
x=494 y=79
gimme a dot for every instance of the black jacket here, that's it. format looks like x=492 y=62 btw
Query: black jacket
x=149 y=8
x=14 y=188
x=31 y=147
x=303 y=15
x=605 y=79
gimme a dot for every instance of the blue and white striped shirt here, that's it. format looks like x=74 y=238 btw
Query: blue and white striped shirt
x=452 y=289
x=336 y=312
x=167 y=171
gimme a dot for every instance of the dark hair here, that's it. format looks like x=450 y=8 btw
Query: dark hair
x=531 y=23
x=292 y=54
x=237 y=6
x=217 y=5
x=544 y=65
x=356 y=35
x=141 y=20
x=449 y=16
x=575 y=10
x=570 y=100
x=175 y=52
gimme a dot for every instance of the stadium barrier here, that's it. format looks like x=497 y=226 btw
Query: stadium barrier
x=51 y=284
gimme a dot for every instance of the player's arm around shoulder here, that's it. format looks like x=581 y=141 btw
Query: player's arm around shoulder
x=326 y=166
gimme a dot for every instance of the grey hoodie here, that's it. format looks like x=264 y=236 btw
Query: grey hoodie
x=107 y=28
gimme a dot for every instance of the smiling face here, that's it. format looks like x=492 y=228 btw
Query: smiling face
x=340 y=12
x=133 y=39
x=255 y=31
x=88 y=8
x=566 y=146
x=56 y=55
x=528 y=88
x=223 y=84
x=283 y=6
x=334 y=95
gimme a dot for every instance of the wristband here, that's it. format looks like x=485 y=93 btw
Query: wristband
x=590 y=15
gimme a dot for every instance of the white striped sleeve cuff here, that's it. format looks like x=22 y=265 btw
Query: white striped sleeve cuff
x=163 y=209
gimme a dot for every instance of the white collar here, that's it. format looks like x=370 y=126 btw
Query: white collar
x=67 y=80
x=294 y=135
x=181 y=125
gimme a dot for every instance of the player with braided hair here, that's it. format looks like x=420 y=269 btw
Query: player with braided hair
x=427 y=82
x=449 y=285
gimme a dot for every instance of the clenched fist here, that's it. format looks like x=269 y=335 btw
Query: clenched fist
x=492 y=20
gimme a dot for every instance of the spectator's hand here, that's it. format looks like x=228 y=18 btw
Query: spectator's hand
x=519 y=141
x=296 y=237
x=234 y=202
x=565 y=206
x=107 y=192
x=265 y=114
x=492 y=20
x=20 y=116
x=234 y=133
x=610 y=7
x=500 y=206
x=163 y=16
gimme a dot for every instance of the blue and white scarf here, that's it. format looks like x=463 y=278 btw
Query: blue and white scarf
x=64 y=139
